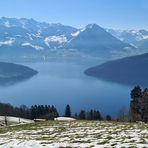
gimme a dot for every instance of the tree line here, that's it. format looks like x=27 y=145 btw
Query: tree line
x=85 y=115
x=139 y=104
x=34 y=112
x=47 y=112
x=138 y=110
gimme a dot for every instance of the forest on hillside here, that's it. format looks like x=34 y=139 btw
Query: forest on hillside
x=138 y=110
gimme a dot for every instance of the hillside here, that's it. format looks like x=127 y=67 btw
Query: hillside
x=14 y=120
x=80 y=134
x=130 y=70
x=129 y=36
x=10 y=72
x=136 y=38
x=96 y=40
x=143 y=44
x=29 y=38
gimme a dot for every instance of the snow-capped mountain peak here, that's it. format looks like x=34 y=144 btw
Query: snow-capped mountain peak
x=90 y=26
x=28 y=35
x=129 y=36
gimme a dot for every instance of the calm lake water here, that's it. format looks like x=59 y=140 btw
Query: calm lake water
x=65 y=83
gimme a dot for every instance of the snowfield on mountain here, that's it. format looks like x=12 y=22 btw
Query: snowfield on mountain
x=27 y=37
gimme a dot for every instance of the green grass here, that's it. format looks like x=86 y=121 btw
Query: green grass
x=59 y=131
x=30 y=126
x=37 y=125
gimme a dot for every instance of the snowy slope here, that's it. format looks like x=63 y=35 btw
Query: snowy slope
x=15 y=119
x=80 y=134
x=129 y=36
x=27 y=37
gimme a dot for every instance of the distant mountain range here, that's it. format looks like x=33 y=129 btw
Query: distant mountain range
x=27 y=37
x=11 y=73
x=137 y=38
x=130 y=70
x=95 y=40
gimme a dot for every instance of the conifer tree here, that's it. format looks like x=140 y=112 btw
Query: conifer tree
x=67 y=111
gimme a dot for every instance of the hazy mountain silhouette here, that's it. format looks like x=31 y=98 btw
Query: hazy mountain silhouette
x=131 y=70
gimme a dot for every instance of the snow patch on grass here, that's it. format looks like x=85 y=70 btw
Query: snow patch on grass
x=82 y=134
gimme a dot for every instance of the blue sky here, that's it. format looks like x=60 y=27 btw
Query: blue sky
x=124 y=14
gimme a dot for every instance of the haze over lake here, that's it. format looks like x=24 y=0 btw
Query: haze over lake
x=72 y=50
x=60 y=83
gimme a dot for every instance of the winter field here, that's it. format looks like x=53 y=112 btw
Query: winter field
x=74 y=134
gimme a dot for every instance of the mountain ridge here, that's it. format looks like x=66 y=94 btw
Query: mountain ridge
x=12 y=73
x=129 y=70
x=24 y=37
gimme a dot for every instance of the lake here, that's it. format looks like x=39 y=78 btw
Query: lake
x=62 y=83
